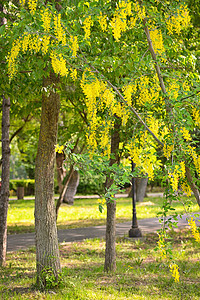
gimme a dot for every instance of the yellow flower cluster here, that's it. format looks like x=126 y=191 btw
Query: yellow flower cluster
x=46 y=20
x=25 y=42
x=32 y=4
x=87 y=23
x=179 y=172
x=175 y=272
x=59 y=64
x=74 y=45
x=157 y=40
x=12 y=56
x=22 y=2
x=128 y=90
x=153 y=124
x=103 y=22
x=58 y=29
x=59 y=149
x=186 y=189
x=73 y=74
x=161 y=246
x=173 y=89
x=196 y=116
x=195 y=231
x=35 y=43
x=134 y=152
x=186 y=134
x=45 y=44
x=132 y=22
x=140 y=10
x=105 y=137
x=119 y=20
x=167 y=150
x=179 y=21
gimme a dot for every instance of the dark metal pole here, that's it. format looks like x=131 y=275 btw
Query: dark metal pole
x=134 y=231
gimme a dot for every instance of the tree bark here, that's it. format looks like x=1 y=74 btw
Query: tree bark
x=4 y=195
x=110 y=252
x=47 y=250
x=72 y=188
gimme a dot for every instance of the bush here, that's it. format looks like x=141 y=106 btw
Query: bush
x=91 y=184
x=28 y=184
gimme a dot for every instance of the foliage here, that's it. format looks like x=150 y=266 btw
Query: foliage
x=28 y=184
x=157 y=89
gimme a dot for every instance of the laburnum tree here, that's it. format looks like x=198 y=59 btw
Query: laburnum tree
x=133 y=63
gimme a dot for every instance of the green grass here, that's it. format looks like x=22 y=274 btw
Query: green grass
x=85 y=213
x=140 y=274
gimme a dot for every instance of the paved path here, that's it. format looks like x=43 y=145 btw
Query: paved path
x=23 y=241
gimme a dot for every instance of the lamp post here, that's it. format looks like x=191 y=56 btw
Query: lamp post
x=134 y=231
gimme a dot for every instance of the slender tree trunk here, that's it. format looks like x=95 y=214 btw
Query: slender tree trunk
x=110 y=253
x=4 y=195
x=72 y=188
x=47 y=251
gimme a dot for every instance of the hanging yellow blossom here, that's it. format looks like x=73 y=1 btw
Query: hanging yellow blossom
x=12 y=57
x=74 y=45
x=139 y=10
x=119 y=20
x=35 y=43
x=167 y=150
x=157 y=40
x=32 y=4
x=128 y=90
x=46 y=20
x=161 y=246
x=195 y=231
x=73 y=74
x=45 y=44
x=103 y=21
x=186 y=189
x=179 y=21
x=173 y=177
x=134 y=153
x=22 y=2
x=196 y=116
x=175 y=272
x=58 y=64
x=58 y=29
x=186 y=134
x=25 y=42
x=132 y=21
x=87 y=23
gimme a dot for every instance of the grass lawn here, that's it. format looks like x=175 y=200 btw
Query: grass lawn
x=85 y=213
x=141 y=274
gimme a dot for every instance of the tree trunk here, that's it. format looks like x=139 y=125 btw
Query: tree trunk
x=72 y=188
x=4 y=195
x=61 y=172
x=47 y=250
x=110 y=253
x=140 y=189
x=20 y=192
x=141 y=185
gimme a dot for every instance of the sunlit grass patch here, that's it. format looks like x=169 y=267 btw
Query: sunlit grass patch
x=85 y=213
x=140 y=274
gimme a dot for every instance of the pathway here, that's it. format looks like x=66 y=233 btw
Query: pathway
x=24 y=241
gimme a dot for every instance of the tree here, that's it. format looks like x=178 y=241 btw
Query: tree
x=150 y=37
x=47 y=251
x=4 y=195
